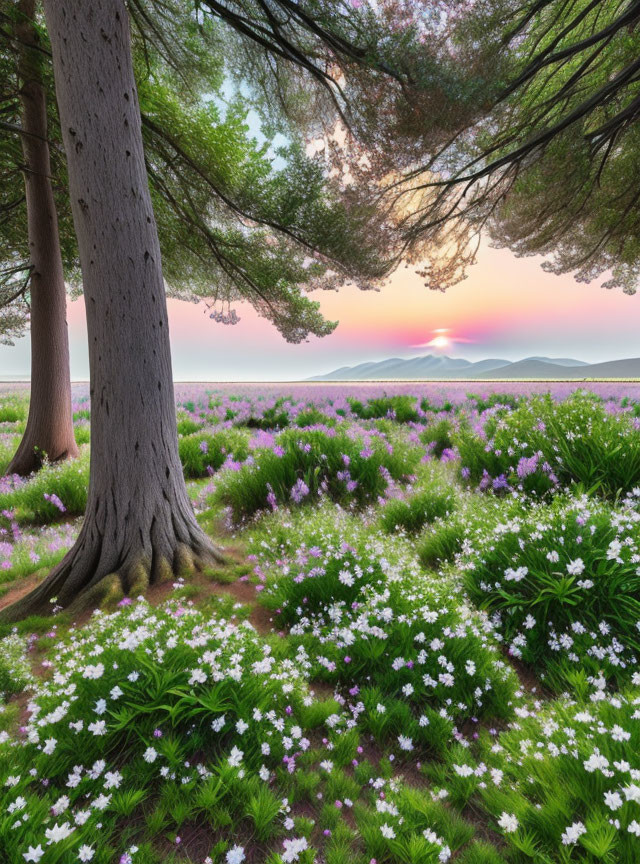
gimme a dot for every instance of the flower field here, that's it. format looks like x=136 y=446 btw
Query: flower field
x=423 y=647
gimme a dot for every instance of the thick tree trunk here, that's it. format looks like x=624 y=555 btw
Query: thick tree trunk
x=49 y=430
x=139 y=523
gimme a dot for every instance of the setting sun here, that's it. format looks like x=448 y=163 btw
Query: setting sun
x=440 y=342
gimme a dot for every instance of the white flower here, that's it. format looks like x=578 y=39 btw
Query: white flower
x=60 y=805
x=93 y=672
x=101 y=802
x=150 y=755
x=620 y=734
x=235 y=757
x=508 y=822
x=632 y=793
x=235 y=855
x=34 y=853
x=613 y=800
x=112 y=780
x=575 y=568
x=198 y=676
x=81 y=817
x=58 y=832
x=634 y=828
x=518 y=575
x=405 y=742
x=572 y=833
x=346 y=578
x=86 y=853
x=293 y=848
x=98 y=728
x=387 y=831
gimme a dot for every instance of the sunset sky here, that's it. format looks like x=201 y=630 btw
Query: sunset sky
x=507 y=307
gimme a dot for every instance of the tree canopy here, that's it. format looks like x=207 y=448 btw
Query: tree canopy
x=238 y=218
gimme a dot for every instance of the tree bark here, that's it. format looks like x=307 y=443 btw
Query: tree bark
x=139 y=523
x=49 y=430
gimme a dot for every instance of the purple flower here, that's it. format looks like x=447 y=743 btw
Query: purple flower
x=53 y=499
x=299 y=490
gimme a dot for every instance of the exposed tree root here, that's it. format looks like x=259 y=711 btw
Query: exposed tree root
x=28 y=458
x=96 y=569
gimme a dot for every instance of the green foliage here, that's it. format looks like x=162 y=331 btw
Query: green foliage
x=438 y=436
x=563 y=582
x=400 y=408
x=202 y=453
x=543 y=442
x=305 y=463
x=420 y=508
x=67 y=481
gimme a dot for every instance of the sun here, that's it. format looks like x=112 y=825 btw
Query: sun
x=440 y=342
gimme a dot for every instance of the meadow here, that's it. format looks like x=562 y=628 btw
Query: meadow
x=423 y=646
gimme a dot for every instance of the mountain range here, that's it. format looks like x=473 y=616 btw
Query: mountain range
x=438 y=367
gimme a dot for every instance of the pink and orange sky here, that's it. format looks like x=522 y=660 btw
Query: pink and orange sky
x=507 y=307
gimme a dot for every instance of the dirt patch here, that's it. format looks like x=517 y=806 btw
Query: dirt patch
x=18 y=590
x=245 y=592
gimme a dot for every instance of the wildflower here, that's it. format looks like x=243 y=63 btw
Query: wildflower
x=508 y=822
x=613 y=800
x=293 y=848
x=33 y=853
x=150 y=755
x=573 y=833
x=58 y=832
x=387 y=831
x=235 y=855
x=86 y=853
x=299 y=490
x=235 y=757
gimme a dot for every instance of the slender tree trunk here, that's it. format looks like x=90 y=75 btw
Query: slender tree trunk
x=49 y=431
x=139 y=523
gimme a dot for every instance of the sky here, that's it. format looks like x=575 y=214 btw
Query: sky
x=507 y=307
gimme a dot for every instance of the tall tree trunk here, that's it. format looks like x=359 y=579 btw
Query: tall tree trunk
x=139 y=523
x=49 y=430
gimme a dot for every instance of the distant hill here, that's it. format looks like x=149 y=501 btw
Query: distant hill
x=434 y=367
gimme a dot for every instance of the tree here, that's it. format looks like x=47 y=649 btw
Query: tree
x=226 y=216
x=139 y=524
x=49 y=430
x=139 y=521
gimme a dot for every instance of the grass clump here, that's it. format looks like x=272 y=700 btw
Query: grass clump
x=541 y=444
x=563 y=585
x=399 y=408
x=423 y=506
x=304 y=464
x=561 y=785
x=55 y=490
x=176 y=719
x=360 y=606
x=203 y=453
